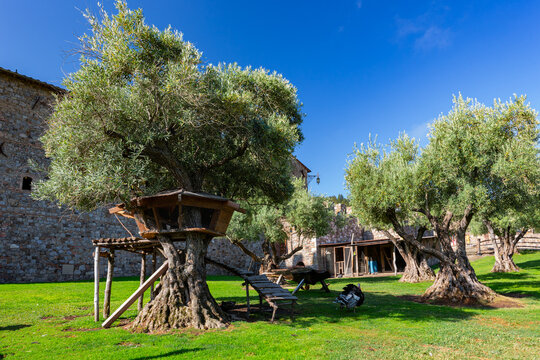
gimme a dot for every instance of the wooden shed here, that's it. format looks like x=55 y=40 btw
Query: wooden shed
x=163 y=213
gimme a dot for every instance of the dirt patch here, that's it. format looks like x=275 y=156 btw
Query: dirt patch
x=517 y=295
x=128 y=344
x=81 y=329
x=73 y=317
x=46 y=317
x=499 y=302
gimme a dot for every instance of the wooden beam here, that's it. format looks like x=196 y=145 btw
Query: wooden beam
x=96 y=283
x=108 y=285
x=298 y=287
x=162 y=269
x=141 y=281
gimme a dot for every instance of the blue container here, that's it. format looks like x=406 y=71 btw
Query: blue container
x=373 y=267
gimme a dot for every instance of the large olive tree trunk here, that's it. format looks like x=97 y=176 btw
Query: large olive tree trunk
x=504 y=251
x=184 y=299
x=416 y=266
x=456 y=281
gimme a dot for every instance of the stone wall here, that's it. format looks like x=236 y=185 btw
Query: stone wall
x=38 y=240
x=223 y=251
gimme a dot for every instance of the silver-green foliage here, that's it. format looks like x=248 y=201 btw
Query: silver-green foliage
x=143 y=114
x=304 y=214
x=477 y=156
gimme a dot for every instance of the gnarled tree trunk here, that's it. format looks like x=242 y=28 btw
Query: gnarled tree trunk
x=504 y=251
x=458 y=284
x=416 y=266
x=456 y=280
x=184 y=299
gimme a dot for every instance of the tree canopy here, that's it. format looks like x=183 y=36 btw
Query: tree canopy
x=144 y=113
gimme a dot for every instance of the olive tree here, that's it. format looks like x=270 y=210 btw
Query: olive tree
x=143 y=114
x=511 y=208
x=382 y=182
x=452 y=180
x=303 y=215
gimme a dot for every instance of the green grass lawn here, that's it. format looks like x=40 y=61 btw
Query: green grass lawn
x=54 y=321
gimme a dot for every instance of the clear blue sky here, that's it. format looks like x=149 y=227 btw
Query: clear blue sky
x=360 y=66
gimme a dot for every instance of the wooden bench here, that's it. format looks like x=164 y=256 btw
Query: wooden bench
x=271 y=292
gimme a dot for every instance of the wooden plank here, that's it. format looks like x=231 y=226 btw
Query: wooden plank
x=108 y=285
x=264 y=286
x=298 y=287
x=270 y=291
x=257 y=277
x=96 y=283
x=283 y=298
x=163 y=268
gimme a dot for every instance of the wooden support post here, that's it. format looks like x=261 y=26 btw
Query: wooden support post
x=394 y=260
x=247 y=298
x=96 y=283
x=381 y=255
x=153 y=271
x=357 y=255
x=274 y=308
x=335 y=266
x=107 y=323
x=366 y=261
x=107 y=297
x=142 y=278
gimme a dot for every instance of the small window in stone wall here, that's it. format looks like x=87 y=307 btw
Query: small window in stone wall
x=27 y=183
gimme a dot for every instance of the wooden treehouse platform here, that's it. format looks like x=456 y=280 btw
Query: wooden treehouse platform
x=268 y=291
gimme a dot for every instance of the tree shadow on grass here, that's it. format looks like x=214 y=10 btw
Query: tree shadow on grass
x=376 y=305
x=170 y=353
x=526 y=289
x=14 y=327
x=512 y=276
x=316 y=307
x=531 y=264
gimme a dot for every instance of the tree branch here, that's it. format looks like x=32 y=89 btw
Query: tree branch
x=245 y=250
x=294 y=251
x=239 y=152
x=391 y=213
x=520 y=235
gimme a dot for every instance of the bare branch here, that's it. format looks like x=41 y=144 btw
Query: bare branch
x=246 y=250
